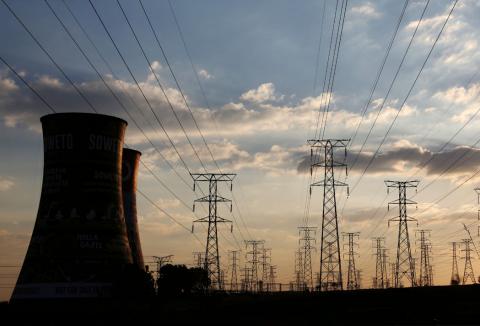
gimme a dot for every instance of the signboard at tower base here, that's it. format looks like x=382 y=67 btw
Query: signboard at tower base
x=63 y=290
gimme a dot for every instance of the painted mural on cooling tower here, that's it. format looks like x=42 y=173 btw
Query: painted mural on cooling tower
x=79 y=242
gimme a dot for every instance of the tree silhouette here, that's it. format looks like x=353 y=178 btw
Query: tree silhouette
x=179 y=279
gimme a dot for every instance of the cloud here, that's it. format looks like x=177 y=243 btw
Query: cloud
x=168 y=203
x=264 y=93
x=365 y=10
x=457 y=48
x=49 y=82
x=6 y=184
x=156 y=67
x=463 y=98
x=205 y=74
x=405 y=156
x=257 y=115
x=7 y=85
x=276 y=161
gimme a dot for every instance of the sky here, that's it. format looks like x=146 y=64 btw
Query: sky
x=261 y=65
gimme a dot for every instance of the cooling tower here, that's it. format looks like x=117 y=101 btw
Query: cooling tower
x=130 y=161
x=79 y=242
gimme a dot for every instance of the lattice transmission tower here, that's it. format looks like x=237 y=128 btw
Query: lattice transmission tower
x=246 y=276
x=160 y=261
x=330 y=257
x=212 y=257
x=386 y=281
x=299 y=281
x=468 y=270
x=379 y=279
x=252 y=257
x=265 y=259
x=198 y=259
x=393 y=271
x=234 y=267
x=307 y=243
x=477 y=191
x=405 y=266
x=271 y=286
x=455 y=278
x=359 y=279
x=425 y=259
x=352 y=277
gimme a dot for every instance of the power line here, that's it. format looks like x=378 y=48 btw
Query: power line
x=326 y=72
x=207 y=103
x=475 y=74
x=178 y=86
x=406 y=97
x=317 y=60
x=27 y=84
x=136 y=82
x=138 y=85
x=379 y=72
x=66 y=77
x=315 y=79
x=90 y=63
x=333 y=64
x=146 y=197
x=167 y=214
x=177 y=83
x=160 y=85
x=123 y=107
x=336 y=55
x=129 y=115
x=385 y=98
x=19 y=20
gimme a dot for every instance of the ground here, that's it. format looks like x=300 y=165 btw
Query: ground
x=421 y=306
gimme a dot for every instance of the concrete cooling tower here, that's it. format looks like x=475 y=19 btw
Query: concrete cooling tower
x=130 y=160
x=79 y=242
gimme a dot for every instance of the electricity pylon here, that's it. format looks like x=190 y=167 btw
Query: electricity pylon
x=330 y=258
x=222 y=279
x=425 y=265
x=317 y=281
x=299 y=279
x=271 y=279
x=404 y=263
x=393 y=270
x=233 y=266
x=252 y=257
x=386 y=282
x=161 y=261
x=430 y=262
x=198 y=259
x=212 y=257
x=265 y=262
x=379 y=264
x=246 y=279
x=359 y=279
x=455 y=278
x=468 y=271
x=477 y=190
x=307 y=245
x=352 y=281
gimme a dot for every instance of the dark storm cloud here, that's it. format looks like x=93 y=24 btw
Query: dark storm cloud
x=459 y=160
